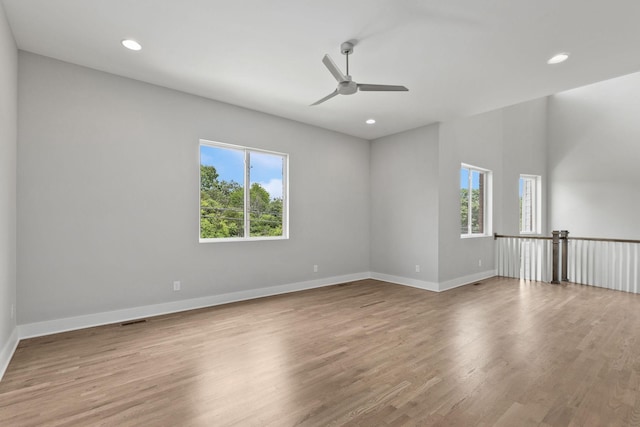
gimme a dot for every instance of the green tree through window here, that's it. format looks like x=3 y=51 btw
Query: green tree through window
x=226 y=210
x=473 y=195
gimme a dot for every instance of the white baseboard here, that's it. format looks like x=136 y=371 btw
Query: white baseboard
x=432 y=286
x=465 y=280
x=406 y=281
x=7 y=351
x=36 y=329
x=55 y=326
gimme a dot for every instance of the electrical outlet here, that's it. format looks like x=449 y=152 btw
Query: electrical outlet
x=417 y=268
x=315 y=268
x=176 y=285
x=479 y=263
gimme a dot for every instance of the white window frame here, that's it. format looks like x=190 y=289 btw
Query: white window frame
x=247 y=196
x=536 y=200
x=488 y=202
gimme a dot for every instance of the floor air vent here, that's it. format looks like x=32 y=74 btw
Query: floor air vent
x=133 y=322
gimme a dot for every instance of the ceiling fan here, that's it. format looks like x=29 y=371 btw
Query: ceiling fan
x=346 y=86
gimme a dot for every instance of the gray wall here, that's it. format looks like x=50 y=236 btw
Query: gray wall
x=108 y=195
x=404 y=204
x=107 y=189
x=524 y=151
x=477 y=141
x=8 y=111
x=594 y=154
x=415 y=179
x=502 y=141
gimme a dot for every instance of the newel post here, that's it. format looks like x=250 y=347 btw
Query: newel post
x=556 y=257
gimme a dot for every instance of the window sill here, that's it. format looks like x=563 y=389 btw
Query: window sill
x=243 y=239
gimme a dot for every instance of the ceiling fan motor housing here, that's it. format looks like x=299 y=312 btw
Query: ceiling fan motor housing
x=348 y=87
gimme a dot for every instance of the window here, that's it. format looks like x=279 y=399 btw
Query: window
x=475 y=192
x=243 y=193
x=530 y=204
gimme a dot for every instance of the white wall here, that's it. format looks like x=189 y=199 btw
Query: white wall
x=594 y=154
x=475 y=140
x=415 y=178
x=404 y=205
x=8 y=123
x=509 y=142
x=524 y=151
x=108 y=196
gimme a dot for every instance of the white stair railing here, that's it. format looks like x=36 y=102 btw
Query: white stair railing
x=611 y=264
x=604 y=263
x=525 y=258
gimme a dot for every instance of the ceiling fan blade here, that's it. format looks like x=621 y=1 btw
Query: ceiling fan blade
x=333 y=68
x=381 y=88
x=320 y=101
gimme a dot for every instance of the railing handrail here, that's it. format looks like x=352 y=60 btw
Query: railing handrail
x=598 y=239
x=496 y=236
x=592 y=239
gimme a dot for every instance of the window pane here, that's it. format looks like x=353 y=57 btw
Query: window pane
x=221 y=192
x=528 y=204
x=477 y=202
x=266 y=194
x=474 y=193
x=520 y=188
x=464 y=201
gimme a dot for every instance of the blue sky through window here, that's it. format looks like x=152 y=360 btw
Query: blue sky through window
x=521 y=184
x=228 y=163
x=266 y=169
x=464 y=179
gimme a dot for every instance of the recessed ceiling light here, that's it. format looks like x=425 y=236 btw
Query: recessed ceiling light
x=556 y=59
x=131 y=44
x=370 y=121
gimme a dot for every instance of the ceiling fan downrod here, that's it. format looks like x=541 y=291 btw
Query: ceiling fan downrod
x=347 y=49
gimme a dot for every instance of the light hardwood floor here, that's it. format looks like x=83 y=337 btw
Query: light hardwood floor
x=367 y=353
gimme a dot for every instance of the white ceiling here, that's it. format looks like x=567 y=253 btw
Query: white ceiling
x=457 y=57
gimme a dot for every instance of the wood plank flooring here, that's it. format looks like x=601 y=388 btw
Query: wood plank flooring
x=505 y=353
